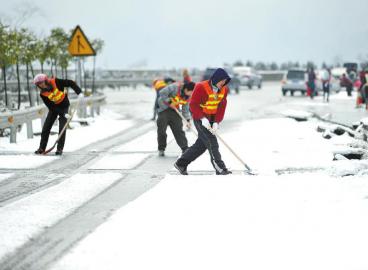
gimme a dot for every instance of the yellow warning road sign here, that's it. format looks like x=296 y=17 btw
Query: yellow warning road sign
x=79 y=44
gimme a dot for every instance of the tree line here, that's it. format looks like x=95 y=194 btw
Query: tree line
x=22 y=48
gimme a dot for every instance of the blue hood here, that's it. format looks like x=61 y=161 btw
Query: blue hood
x=219 y=75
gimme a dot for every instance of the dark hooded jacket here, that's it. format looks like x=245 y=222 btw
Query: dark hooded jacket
x=200 y=96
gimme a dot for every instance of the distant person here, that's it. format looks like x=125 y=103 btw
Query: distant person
x=326 y=80
x=186 y=76
x=157 y=84
x=208 y=105
x=347 y=83
x=360 y=89
x=312 y=82
x=170 y=99
x=56 y=100
x=364 y=89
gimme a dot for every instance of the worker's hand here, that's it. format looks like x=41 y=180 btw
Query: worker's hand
x=206 y=123
x=215 y=127
x=67 y=116
x=189 y=125
x=172 y=106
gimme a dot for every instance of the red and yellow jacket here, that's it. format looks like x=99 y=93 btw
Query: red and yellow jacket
x=207 y=103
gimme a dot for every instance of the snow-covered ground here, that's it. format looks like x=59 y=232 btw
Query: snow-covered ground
x=100 y=127
x=310 y=220
x=296 y=213
x=23 y=219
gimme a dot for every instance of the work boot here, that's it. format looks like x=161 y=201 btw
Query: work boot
x=181 y=169
x=161 y=153
x=224 y=172
x=59 y=152
x=39 y=151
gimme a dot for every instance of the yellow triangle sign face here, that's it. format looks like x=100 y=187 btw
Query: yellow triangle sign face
x=79 y=44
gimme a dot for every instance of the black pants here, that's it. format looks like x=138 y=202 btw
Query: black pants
x=205 y=141
x=50 y=119
x=155 y=106
x=326 y=90
x=170 y=118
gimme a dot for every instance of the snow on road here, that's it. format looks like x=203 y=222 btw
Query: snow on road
x=102 y=126
x=292 y=221
x=5 y=176
x=119 y=162
x=24 y=161
x=25 y=218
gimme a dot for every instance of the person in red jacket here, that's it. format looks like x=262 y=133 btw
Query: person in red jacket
x=208 y=105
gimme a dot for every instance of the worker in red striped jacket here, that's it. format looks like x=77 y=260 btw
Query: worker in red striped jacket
x=208 y=105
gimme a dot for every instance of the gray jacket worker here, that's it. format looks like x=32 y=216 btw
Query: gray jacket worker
x=170 y=99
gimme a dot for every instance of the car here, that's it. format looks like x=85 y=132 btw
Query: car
x=234 y=83
x=294 y=80
x=248 y=76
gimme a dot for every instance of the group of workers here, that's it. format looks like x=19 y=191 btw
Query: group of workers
x=203 y=102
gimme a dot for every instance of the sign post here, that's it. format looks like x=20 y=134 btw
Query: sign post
x=79 y=46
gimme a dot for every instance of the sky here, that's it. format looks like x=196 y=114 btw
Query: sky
x=201 y=33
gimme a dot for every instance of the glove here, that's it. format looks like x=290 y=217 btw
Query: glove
x=189 y=125
x=206 y=123
x=67 y=116
x=80 y=96
x=215 y=127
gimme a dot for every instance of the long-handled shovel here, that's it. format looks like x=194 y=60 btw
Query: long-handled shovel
x=63 y=130
x=249 y=170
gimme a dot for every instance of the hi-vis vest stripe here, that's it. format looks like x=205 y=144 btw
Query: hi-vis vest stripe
x=214 y=99
x=178 y=100
x=55 y=95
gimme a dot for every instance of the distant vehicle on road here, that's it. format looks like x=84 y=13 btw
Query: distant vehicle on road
x=234 y=83
x=351 y=66
x=248 y=77
x=294 y=80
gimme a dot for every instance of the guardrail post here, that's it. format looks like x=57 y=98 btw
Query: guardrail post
x=13 y=134
x=29 y=129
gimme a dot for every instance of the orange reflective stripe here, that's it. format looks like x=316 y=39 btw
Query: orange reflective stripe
x=55 y=95
x=214 y=99
x=178 y=100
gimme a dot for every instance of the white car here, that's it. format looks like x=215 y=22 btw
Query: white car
x=248 y=76
x=294 y=80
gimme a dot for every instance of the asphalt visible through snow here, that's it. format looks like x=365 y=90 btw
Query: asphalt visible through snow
x=58 y=239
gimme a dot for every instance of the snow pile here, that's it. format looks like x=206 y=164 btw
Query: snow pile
x=297 y=114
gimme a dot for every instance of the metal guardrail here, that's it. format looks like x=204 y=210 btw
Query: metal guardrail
x=88 y=106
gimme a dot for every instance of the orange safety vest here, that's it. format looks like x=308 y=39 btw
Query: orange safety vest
x=55 y=95
x=214 y=99
x=178 y=100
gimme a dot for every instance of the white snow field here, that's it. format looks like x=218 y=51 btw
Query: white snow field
x=305 y=220
x=27 y=217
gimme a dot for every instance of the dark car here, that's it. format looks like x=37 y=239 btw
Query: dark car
x=234 y=83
